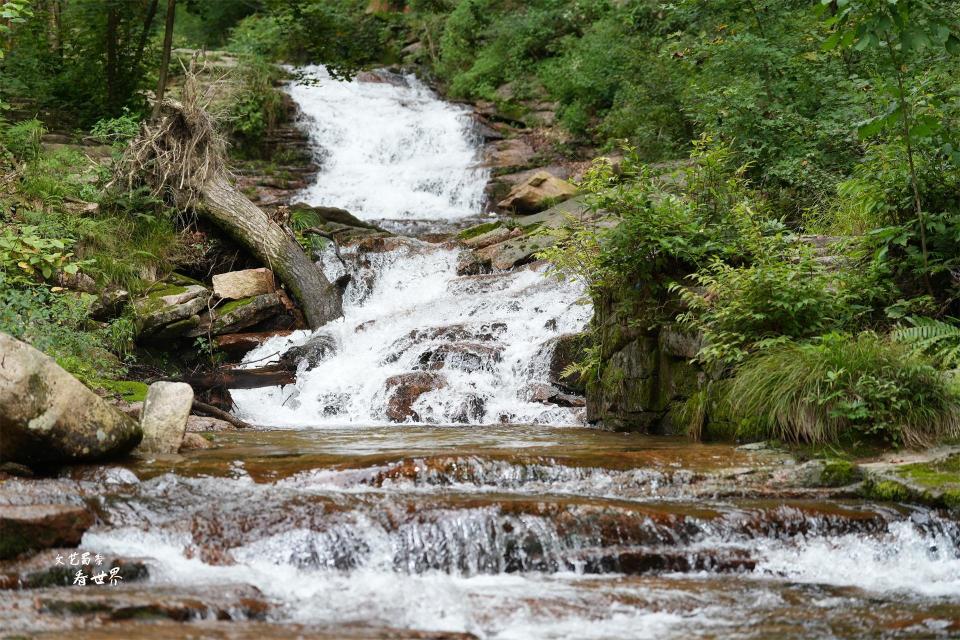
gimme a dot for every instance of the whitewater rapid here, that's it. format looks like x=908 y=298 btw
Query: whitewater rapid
x=389 y=149
x=405 y=311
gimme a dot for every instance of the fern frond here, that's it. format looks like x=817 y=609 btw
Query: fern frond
x=935 y=338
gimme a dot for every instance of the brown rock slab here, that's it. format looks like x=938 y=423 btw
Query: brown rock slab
x=33 y=527
x=537 y=192
x=236 y=285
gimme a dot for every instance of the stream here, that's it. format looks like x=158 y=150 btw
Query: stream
x=472 y=508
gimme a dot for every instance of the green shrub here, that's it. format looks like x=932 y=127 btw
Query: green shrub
x=58 y=324
x=27 y=258
x=937 y=339
x=257 y=35
x=841 y=387
x=23 y=139
x=117 y=130
x=778 y=298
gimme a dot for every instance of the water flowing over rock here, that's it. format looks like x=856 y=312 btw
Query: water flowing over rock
x=404 y=155
x=411 y=312
x=48 y=417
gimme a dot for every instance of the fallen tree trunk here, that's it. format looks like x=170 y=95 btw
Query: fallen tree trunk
x=269 y=376
x=213 y=412
x=180 y=156
x=278 y=250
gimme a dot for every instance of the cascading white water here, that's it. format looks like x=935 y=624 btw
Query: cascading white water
x=484 y=338
x=389 y=149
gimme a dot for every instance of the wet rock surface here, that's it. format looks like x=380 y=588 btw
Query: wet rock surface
x=33 y=527
x=569 y=520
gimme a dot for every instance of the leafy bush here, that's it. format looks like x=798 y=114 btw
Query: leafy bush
x=256 y=106
x=779 y=298
x=27 y=257
x=116 y=130
x=58 y=325
x=663 y=232
x=23 y=139
x=841 y=387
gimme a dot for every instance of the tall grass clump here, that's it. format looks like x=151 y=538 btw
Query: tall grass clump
x=840 y=388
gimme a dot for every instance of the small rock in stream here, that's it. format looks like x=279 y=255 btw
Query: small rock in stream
x=164 y=419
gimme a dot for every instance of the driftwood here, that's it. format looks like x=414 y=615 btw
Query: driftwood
x=229 y=378
x=236 y=345
x=213 y=412
x=180 y=156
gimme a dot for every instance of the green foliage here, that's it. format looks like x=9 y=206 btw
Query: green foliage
x=117 y=130
x=258 y=35
x=58 y=324
x=63 y=174
x=772 y=301
x=663 y=232
x=13 y=12
x=256 y=106
x=23 y=139
x=343 y=36
x=82 y=59
x=842 y=387
x=26 y=257
x=935 y=338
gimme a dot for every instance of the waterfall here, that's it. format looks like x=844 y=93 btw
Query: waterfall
x=388 y=148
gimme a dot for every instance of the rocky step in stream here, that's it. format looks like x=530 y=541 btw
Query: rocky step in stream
x=510 y=532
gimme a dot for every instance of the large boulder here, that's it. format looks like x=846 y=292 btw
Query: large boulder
x=539 y=191
x=47 y=416
x=235 y=285
x=164 y=417
x=405 y=389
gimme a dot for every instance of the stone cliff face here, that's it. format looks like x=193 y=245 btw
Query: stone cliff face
x=646 y=370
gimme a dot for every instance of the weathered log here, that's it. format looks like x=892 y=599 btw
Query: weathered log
x=245 y=222
x=269 y=376
x=180 y=155
x=236 y=345
x=213 y=412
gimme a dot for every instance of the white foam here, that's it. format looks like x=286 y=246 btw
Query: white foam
x=416 y=289
x=906 y=560
x=389 y=151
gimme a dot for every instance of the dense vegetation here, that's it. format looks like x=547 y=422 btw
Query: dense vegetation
x=794 y=117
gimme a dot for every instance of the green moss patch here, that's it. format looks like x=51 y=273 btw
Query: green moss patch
x=480 y=229
x=129 y=390
x=941 y=474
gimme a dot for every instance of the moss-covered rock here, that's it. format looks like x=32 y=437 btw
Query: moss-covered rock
x=47 y=416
